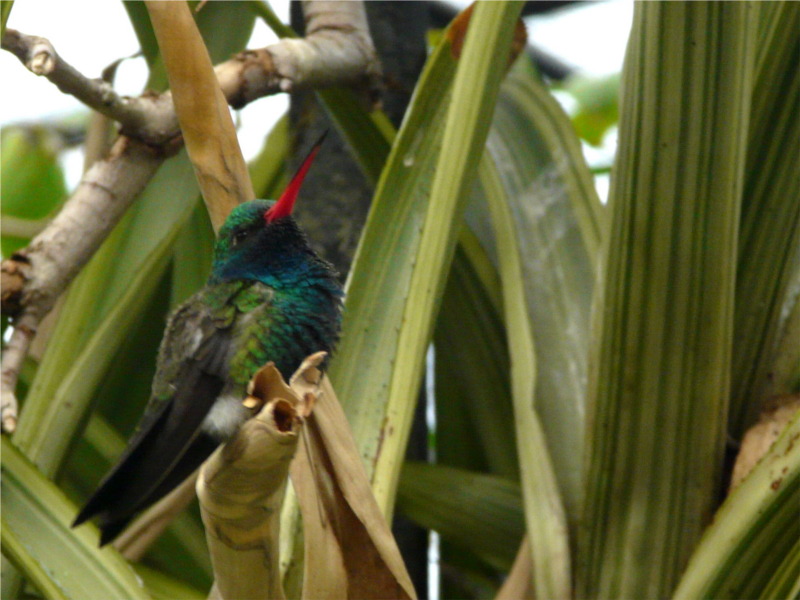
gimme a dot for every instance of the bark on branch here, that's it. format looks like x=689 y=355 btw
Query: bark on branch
x=337 y=50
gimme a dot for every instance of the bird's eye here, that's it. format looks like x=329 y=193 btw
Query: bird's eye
x=240 y=236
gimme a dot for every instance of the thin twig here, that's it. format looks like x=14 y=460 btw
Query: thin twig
x=40 y=57
x=13 y=358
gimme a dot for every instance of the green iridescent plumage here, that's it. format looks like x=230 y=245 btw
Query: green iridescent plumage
x=269 y=298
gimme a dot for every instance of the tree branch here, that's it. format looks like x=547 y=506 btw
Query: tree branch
x=33 y=278
x=337 y=50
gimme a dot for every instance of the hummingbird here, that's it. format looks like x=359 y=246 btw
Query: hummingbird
x=269 y=297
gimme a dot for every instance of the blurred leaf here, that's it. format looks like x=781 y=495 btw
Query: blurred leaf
x=264 y=10
x=137 y=14
x=369 y=134
x=267 y=168
x=558 y=223
x=544 y=511
x=598 y=105
x=5 y=10
x=660 y=368
x=32 y=182
x=464 y=575
x=465 y=506
x=226 y=27
x=191 y=261
x=38 y=538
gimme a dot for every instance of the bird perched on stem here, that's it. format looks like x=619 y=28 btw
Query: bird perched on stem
x=269 y=298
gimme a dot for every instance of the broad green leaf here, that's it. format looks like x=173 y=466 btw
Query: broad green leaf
x=464 y=506
x=390 y=236
x=474 y=93
x=751 y=548
x=769 y=234
x=36 y=526
x=378 y=303
x=15 y=551
x=660 y=369
x=557 y=222
x=544 y=511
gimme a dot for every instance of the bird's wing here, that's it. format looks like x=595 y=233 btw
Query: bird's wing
x=190 y=376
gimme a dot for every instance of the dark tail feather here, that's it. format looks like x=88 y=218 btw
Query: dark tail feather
x=164 y=451
x=119 y=481
x=200 y=449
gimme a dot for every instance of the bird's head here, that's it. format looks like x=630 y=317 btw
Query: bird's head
x=260 y=240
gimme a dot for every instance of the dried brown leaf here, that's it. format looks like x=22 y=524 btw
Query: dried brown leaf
x=350 y=550
x=241 y=489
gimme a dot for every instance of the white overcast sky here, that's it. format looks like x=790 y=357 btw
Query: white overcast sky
x=591 y=36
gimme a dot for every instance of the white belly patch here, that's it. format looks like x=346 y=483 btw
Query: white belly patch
x=225 y=417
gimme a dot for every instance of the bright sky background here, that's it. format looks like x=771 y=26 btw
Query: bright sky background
x=591 y=36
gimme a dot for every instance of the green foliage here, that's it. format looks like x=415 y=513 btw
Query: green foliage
x=486 y=237
x=464 y=506
x=597 y=105
x=59 y=561
x=32 y=183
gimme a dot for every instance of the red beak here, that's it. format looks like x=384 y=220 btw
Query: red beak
x=285 y=204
